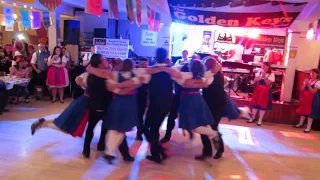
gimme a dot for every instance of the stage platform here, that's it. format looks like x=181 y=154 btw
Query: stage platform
x=282 y=113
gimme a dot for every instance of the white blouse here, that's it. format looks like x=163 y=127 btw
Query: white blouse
x=58 y=61
x=270 y=76
x=208 y=76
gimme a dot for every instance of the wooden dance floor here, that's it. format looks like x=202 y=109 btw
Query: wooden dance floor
x=269 y=152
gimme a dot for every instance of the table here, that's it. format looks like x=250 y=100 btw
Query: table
x=10 y=82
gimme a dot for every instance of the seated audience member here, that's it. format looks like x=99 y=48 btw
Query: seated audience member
x=21 y=71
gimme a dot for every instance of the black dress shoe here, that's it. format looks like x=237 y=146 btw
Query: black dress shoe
x=216 y=142
x=298 y=126
x=218 y=155
x=128 y=159
x=109 y=158
x=86 y=152
x=139 y=137
x=155 y=159
x=202 y=157
x=36 y=125
x=101 y=147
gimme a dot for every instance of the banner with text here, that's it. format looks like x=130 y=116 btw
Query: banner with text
x=196 y=16
x=113 y=48
x=149 y=38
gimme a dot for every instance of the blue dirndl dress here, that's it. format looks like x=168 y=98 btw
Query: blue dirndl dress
x=122 y=113
x=231 y=109
x=260 y=95
x=193 y=110
x=309 y=103
x=74 y=119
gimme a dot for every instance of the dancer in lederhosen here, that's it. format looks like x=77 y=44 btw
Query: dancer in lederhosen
x=142 y=98
x=310 y=100
x=262 y=94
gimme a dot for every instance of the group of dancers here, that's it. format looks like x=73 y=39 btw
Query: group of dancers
x=121 y=99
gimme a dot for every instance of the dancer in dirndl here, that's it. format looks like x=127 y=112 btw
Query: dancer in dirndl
x=57 y=78
x=194 y=113
x=309 y=100
x=72 y=120
x=262 y=94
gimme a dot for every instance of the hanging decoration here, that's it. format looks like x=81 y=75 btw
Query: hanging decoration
x=113 y=9
x=157 y=22
x=130 y=13
x=26 y=1
x=46 y=19
x=94 y=7
x=52 y=4
x=150 y=13
x=138 y=8
x=8 y=17
x=25 y=18
x=36 y=21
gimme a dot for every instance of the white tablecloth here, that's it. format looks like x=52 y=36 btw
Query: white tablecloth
x=10 y=82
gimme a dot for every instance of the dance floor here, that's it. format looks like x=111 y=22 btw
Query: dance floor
x=269 y=152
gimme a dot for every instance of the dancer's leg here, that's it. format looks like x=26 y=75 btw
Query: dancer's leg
x=310 y=121
x=261 y=115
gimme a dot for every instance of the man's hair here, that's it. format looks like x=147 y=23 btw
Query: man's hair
x=143 y=59
x=161 y=55
x=127 y=65
x=95 y=60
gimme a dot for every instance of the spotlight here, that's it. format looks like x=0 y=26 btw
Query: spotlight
x=20 y=36
x=310 y=32
x=15 y=16
x=253 y=34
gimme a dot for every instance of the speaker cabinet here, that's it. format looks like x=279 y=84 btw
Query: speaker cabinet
x=100 y=33
x=71 y=34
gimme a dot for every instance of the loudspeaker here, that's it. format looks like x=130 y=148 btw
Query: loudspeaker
x=71 y=33
x=100 y=33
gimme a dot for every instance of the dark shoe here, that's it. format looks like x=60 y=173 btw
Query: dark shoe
x=307 y=130
x=36 y=125
x=165 y=139
x=37 y=98
x=86 y=154
x=61 y=102
x=5 y=110
x=139 y=137
x=259 y=124
x=53 y=101
x=128 y=159
x=218 y=155
x=109 y=158
x=298 y=126
x=202 y=157
x=100 y=147
x=155 y=159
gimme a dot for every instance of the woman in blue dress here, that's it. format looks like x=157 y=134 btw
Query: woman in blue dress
x=310 y=100
x=262 y=94
x=194 y=113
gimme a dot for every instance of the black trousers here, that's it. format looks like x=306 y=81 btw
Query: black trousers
x=154 y=118
x=94 y=118
x=142 y=104
x=217 y=113
x=4 y=98
x=173 y=114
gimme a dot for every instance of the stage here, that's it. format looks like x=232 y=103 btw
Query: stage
x=272 y=151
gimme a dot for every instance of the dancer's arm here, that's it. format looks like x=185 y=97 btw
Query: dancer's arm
x=80 y=80
x=103 y=73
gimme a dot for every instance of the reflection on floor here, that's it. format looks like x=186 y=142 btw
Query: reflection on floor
x=269 y=152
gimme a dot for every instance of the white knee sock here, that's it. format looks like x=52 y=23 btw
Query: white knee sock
x=206 y=130
x=301 y=122
x=261 y=114
x=254 y=113
x=310 y=120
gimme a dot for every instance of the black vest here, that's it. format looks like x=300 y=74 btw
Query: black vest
x=100 y=97
x=160 y=89
x=214 y=94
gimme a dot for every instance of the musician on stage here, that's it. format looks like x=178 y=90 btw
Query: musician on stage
x=185 y=59
x=262 y=94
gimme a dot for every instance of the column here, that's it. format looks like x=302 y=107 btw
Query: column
x=54 y=30
x=290 y=60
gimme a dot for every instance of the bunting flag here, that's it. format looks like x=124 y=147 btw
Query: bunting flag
x=130 y=13
x=46 y=19
x=25 y=18
x=138 y=7
x=8 y=17
x=26 y=1
x=157 y=22
x=94 y=7
x=150 y=13
x=113 y=9
x=51 y=4
x=36 y=21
